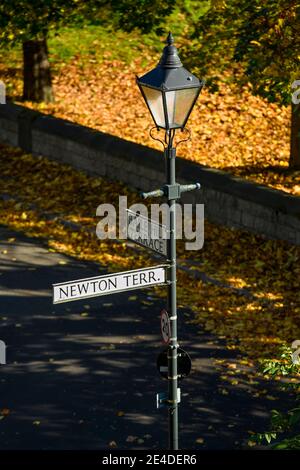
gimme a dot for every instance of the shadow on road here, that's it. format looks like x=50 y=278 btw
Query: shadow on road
x=82 y=375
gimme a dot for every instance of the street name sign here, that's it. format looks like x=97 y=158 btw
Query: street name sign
x=109 y=284
x=147 y=232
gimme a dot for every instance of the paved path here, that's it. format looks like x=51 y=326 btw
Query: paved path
x=83 y=375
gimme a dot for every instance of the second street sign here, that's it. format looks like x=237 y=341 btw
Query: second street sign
x=109 y=284
x=147 y=232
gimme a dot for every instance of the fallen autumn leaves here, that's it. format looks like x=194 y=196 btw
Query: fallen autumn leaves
x=257 y=312
x=232 y=130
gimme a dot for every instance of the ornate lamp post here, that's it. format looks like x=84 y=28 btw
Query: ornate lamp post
x=170 y=92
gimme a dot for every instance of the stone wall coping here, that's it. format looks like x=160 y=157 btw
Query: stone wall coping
x=151 y=158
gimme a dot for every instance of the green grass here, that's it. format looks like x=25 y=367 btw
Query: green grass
x=97 y=42
x=89 y=41
x=101 y=41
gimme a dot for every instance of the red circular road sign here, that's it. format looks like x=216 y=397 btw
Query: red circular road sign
x=165 y=326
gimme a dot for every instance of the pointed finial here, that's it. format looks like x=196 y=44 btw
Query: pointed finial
x=170 y=58
x=170 y=39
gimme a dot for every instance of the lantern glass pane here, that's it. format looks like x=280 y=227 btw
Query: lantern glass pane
x=179 y=104
x=170 y=100
x=155 y=103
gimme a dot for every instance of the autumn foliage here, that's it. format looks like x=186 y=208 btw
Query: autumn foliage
x=251 y=297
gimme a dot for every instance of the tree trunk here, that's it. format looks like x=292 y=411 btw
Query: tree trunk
x=37 y=84
x=295 y=137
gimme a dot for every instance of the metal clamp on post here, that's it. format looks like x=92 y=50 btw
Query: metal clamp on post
x=162 y=400
x=177 y=399
x=171 y=152
x=168 y=274
x=171 y=191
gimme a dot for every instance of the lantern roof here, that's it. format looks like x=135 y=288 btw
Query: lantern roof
x=169 y=74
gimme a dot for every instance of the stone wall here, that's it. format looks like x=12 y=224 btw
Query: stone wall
x=228 y=200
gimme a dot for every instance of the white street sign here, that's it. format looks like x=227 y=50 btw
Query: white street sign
x=109 y=284
x=165 y=326
x=147 y=232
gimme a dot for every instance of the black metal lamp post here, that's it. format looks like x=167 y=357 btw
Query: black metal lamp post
x=170 y=92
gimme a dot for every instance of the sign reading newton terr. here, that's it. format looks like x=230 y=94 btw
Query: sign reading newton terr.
x=108 y=284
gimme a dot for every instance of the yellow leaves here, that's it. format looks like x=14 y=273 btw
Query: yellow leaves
x=256 y=43
x=237 y=282
x=96 y=183
x=234 y=382
x=235 y=131
x=231 y=366
x=297 y=189
x=200 y=440
x=259 y=264
x=268 y=270
x=108 y=347
x=224 y=377
x=270 y=397
x=251 y=443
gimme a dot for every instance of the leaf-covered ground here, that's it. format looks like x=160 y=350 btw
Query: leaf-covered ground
x=95 y=85
x=250 y=296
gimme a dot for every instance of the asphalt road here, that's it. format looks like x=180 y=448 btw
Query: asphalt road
x=82 y=375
